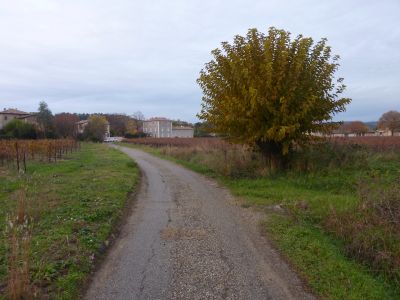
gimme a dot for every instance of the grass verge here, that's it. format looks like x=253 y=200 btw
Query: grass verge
x=297 y=230
x=73 y=207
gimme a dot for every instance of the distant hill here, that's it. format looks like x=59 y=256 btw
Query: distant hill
x=372 y=124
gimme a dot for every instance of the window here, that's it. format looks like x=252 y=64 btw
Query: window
x=5 y=118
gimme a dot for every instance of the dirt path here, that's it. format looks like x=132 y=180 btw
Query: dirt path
x=188 y=239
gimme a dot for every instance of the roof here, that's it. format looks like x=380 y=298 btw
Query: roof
x=27 y=116
x=13 y=111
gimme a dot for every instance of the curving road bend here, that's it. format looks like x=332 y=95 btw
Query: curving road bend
x=188 y=238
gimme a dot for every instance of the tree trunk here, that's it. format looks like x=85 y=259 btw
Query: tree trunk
x=272 y=153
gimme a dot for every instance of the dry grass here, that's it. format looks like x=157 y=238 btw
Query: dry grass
x=19 y=234
x=223 y=158
x=176 y=142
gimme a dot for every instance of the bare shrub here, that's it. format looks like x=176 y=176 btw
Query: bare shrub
x=221 y=157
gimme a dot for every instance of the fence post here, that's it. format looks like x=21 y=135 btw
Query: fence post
x=16 y=150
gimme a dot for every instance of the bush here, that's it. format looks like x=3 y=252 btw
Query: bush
x=19 y=130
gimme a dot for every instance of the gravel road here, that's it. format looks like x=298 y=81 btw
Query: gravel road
x=188 y=238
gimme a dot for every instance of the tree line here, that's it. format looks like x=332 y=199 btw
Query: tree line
x=64 y=125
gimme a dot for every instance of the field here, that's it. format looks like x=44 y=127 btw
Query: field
x=57 y=219
x=383 y=143
x=334 y=214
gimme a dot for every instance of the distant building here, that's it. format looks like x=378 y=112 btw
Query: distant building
x=386 y=132
x=81 y=125
x=158 y=127
x=162 y=128
x=7 y=115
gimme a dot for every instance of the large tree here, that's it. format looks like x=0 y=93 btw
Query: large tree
x=270 y=90
x=390 y=120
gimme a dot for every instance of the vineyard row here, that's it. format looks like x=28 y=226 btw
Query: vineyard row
x=19 y=152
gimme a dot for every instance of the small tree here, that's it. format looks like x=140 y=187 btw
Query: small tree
x=271 y=91
x=391 y=121
x=96 y=128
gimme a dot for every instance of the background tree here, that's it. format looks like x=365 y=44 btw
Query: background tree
x=202 y=129
x=391 y=121
x=271 y=91
x=138 y=116
x=118 y=123
x=356 y=127
x=83 y=116
x=45 y=120
x=96 y=128
x=65 y=124
x=131 y=127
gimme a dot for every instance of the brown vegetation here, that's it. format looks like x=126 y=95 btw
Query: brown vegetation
x=376 y=142
x=379 y=143
x=176 y=142
x=18 y=152
x=214 y=153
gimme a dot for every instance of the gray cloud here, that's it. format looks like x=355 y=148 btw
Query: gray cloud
x=124 y=56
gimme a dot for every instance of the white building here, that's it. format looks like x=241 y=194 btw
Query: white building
x=158 y=127
x=162 y=128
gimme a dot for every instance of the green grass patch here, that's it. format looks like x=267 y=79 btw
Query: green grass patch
x=75 y=204
x=321 y=261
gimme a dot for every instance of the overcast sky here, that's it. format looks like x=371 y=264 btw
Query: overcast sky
x=126 y=55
